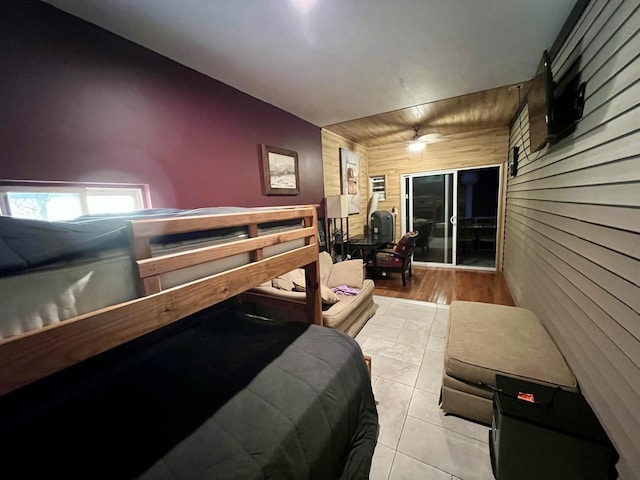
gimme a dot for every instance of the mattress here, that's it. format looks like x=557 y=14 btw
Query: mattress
x=212 y=396
x=485 y=339
x=55 y=271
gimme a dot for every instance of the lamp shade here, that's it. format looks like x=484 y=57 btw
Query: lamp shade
x=337 y=206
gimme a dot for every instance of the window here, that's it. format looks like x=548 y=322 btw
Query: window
x=65 y=202
x=377 y=184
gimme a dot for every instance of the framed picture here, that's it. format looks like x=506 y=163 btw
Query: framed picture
x=280 y=169
x=350 y=178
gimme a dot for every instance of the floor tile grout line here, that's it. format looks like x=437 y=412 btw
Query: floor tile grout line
x=413 y=389
x=442 y=427
x=399 y=343
x=404 y=422
x=424 y=463
x=395 y=452
x=409 y=301
x=419 y=365
x=404 y=419
x=424 y=350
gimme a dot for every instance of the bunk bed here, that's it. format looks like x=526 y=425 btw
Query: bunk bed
x=180 y=383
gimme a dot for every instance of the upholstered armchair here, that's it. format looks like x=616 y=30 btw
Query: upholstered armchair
x=425 y=234
x=487 y=235
x=396 y=259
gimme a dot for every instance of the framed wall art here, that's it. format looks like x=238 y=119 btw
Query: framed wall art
x=350 y=178
x=280 y=171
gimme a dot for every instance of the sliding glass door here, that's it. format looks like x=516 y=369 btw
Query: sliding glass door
x=477 y=217
x=455 y=215
x=430 y=202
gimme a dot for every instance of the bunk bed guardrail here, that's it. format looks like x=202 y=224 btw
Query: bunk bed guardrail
x=33 y=355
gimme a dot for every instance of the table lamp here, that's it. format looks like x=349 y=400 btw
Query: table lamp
x=338 y=207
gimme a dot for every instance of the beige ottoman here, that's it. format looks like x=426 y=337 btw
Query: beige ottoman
x=485 y=339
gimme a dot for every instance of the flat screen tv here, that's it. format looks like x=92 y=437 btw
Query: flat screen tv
x=539 y=103
x=554 y=107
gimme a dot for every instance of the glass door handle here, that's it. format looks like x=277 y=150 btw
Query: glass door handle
x=453 y=220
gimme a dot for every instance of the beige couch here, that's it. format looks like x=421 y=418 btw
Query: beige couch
x=347 y=314
x=484 y=340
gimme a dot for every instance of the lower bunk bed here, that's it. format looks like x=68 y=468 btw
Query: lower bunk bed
x=218 y=396
x=178 y=384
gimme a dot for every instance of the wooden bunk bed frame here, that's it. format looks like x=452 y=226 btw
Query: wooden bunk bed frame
x=33 y=355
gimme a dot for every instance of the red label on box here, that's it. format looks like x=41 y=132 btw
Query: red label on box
x=527 y=397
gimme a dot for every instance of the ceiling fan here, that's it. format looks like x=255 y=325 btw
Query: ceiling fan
x=418 y=141
x=426 y=138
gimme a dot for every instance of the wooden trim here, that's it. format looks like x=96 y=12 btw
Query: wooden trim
x=141 y=248
x=257 y=254
x=159 y=226
x=149 y=267
x=312 y=287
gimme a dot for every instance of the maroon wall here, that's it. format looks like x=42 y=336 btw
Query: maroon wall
x=78 y=103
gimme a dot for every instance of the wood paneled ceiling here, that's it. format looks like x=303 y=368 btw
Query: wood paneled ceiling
x=476 y=111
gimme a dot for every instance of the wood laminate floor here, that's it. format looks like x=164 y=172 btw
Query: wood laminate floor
x=443 y=285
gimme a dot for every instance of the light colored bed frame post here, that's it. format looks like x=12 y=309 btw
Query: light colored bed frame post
x=140 y=247
x=312 y=276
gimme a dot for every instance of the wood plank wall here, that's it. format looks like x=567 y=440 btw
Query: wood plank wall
x=331 y=145
x=572 y=246
x=470 y=149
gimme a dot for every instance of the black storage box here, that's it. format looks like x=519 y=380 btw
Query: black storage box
x=556 y=437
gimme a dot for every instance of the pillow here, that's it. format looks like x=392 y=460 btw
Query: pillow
x=326 y=264
x=328 y=295
x=349 y=273
x=299 y=286
x=286 y=281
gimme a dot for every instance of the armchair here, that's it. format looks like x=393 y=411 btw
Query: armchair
x=394 y=260
x=467 y=239
x=487 y=235
x=425 y=234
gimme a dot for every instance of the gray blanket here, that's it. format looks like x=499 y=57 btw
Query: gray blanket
x=32 y=243
x=210 y=398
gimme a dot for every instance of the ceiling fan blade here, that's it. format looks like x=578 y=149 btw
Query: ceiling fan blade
x=431 y=138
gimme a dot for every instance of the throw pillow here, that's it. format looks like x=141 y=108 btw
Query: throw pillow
x=350 y=273
x=286 y=281
x=328 y=296
x=299 y=286
x=326 y=264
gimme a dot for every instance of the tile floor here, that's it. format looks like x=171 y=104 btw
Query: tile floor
x=416 y=441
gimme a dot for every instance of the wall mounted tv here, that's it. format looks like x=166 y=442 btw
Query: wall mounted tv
x=554 y=107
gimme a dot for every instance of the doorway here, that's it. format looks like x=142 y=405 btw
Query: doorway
x=455 y=214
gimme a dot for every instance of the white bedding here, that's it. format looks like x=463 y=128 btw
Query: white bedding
x=46 y=296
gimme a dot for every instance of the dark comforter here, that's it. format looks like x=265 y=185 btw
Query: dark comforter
x=32 y=243
x=211 y=397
